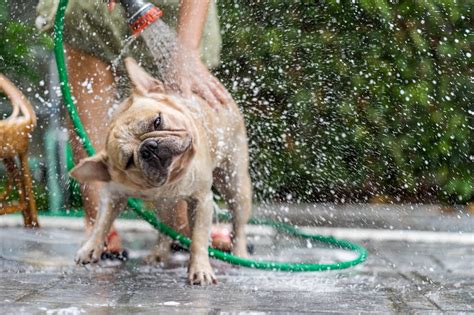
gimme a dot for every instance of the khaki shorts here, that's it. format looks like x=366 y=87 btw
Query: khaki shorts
x=90 y=27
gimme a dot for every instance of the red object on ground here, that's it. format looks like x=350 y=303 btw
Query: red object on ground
x=221 y=238
x=111 y=235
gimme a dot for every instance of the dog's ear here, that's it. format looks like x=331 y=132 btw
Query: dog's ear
x=92 y=169
x=142 y=82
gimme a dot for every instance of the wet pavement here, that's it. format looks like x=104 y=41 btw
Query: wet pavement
x=37 y=275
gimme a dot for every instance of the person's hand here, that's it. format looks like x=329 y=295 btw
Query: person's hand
x=186 y=74
x=190 y=76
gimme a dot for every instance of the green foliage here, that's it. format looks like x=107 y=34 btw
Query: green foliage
x=39 y=191
x=349 y=100
x=17 y=40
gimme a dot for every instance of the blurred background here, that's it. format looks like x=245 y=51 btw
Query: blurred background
x=361 y=101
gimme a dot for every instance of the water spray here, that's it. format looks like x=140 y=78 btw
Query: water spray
x=144 y=21
x=149 y=216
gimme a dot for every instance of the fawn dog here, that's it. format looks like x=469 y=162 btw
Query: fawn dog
x=166 y=149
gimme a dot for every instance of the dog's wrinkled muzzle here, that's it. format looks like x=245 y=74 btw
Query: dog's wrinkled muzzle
x=163 y=149
x=156 y=154
x=153 y=151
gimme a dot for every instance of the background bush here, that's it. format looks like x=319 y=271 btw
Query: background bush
x=349 y=100
x=17 y=43
x=343 y=101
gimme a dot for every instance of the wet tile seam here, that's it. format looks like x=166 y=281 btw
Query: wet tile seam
x=422 y=292
x=32 y=293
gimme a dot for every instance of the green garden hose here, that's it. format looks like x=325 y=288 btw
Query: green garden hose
x=162 y=228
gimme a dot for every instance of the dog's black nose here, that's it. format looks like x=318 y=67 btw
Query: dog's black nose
x=145 y=154
x=151 y=145
x=149 y=149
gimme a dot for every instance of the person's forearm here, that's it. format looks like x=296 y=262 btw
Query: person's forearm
x=192 y=17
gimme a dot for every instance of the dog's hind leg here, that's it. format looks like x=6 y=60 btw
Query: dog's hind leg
x=233 y=183
x=160 y=251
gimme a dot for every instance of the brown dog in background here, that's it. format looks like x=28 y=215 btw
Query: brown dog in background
x=163 y=148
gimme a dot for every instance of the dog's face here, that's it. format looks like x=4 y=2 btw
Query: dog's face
x=150 y=142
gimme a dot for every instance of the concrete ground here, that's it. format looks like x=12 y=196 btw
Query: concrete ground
x=407 y=271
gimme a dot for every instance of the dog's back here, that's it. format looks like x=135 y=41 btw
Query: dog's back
x=224 y=131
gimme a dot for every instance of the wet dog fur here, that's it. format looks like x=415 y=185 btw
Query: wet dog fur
x=172 y=151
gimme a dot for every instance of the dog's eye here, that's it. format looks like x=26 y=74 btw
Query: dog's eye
x=157 y=123
x=129 y=162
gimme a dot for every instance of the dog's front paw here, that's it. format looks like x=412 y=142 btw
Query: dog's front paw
x=201 y=274
x=89 y=253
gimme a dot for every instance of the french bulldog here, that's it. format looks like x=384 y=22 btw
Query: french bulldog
x=166 y=149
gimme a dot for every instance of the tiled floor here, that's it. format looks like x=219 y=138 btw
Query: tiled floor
x=37 y=276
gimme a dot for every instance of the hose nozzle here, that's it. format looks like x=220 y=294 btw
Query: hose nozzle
x=140 y=14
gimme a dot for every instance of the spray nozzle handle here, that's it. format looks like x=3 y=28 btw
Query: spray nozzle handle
x=140 y=14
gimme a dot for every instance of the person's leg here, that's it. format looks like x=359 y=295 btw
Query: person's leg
x=92 y=86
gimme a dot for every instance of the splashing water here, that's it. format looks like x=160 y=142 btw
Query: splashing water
x=164 y=47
